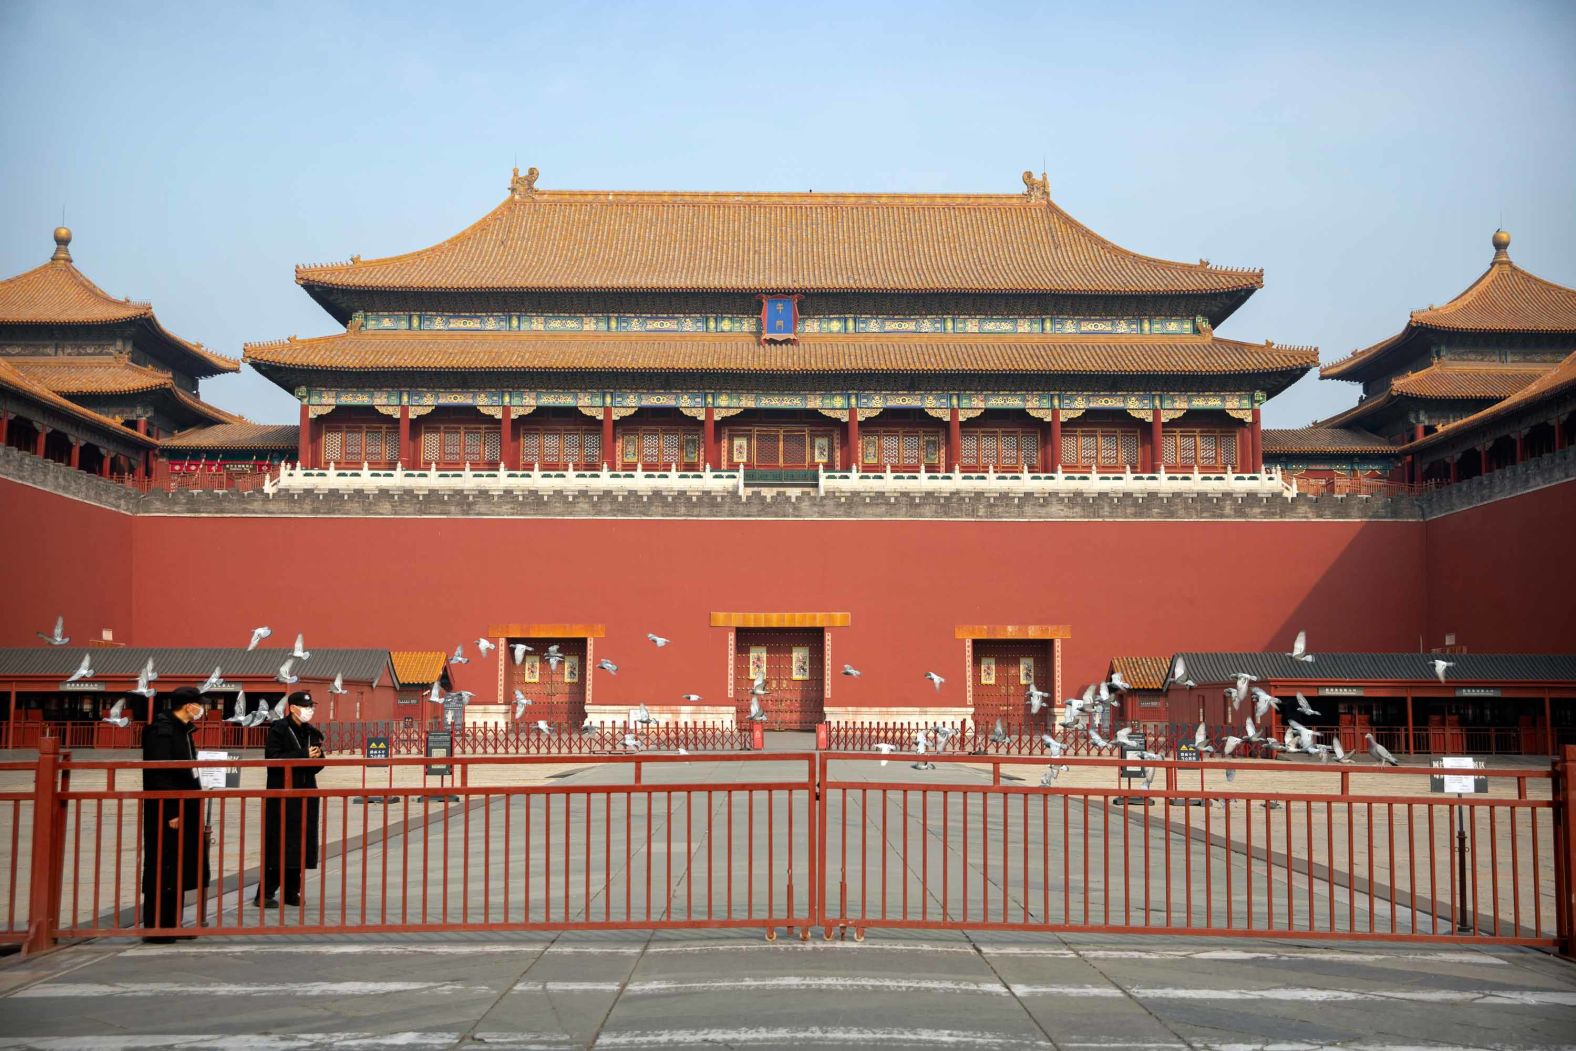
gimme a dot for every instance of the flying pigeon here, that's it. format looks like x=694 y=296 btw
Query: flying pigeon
x=300 y=652
x=1124 y=736
x=1299 y=648
x=240 y=699
x=521 y=703
x=690 y=697
x=885 y=749
x=1341 y=754
x=1308 y=736
x=258 y=635
x=643 y=715
x=285 y=675
x=1053 y=747
x=142 y=686
x=1293 y=743
x=518 y=652
x=1051 y=773
x=607 y=666
x=1095 y=738
x=1035 y=698
x=588 y=727
x=1179 y=674
x=84 y=670
x=1229 y=744
x=998 y=734
x=485 y=647
x=758 y=687
x=115 y=718
x=1439 y=668
x=212 y=681
x=1250 y=733
x=554 y=658
x=241 y=715
x=935 y=680
x=541 y=724
x=631 y=741
x=459 y=655
x=1263 y=702
x=147 y=669
x=435 y=695
x=279 y=710
x=1303 y=707
x=338 y=685
x=1201 y=739
x=850 y=670
x=58 y=638
x=261 y=715
x=1380 y=753
x=757 y=713
x=1119 y=683
x=657 y=640
x=1231 y=774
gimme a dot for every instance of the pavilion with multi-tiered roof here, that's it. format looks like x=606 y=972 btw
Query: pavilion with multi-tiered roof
x=780 y=333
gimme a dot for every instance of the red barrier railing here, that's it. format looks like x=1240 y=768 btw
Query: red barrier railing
x=968 y=738
x=1353 y=853
x=640 y=846
x=823 y=838
x=522 y=738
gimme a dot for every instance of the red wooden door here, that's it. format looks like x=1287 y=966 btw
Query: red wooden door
x=794 y=665
x=1002 y=670
x=557 y=695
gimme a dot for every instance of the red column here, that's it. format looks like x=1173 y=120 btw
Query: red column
x=954 y=440
x=304 y=439
x=1255 y=440
x=1521 y=445
x=1559 y=435
x=1056 y=439
x=709 y=438
x=506 y=439
x=104 y=463
x=1455 y=473
x=76 y=454
x=1410 y=739
x=1045 y=463
x=1485 y=465
x=38 y=443
x=407 y=458
x=5 y=426
x=853 y=437
x=608 y=457
x=1157 y=449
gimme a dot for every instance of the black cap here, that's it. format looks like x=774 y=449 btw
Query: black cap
x=299 y=699
x=181 y=696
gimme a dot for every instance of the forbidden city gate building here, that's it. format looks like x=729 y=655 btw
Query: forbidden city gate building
x=782 y=334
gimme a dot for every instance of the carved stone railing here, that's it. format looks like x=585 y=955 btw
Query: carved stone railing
x=364 y=479
x=1270 y=481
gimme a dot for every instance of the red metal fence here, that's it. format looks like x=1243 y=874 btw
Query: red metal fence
x=835 y=839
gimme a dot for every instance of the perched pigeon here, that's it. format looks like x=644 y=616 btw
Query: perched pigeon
x=521 y=703
x=850 y=670
x=998 y=734
x=631 y=741
x=213 y=680
x=459 y=656
x=58 y=637
x=541 y=724
x=285 y=673
x=338 y=685
x=588 y=727
x=84 y=670
x=258 y=635
x=885 y=749
x=935 y=680
x=518 y=652
x=757 y=713
x=115 y=718
x=1380 y=753
x=484 y=647
x=300 y=652
x=1439 y=668
x=923 y=766
x=1304 y=708
x=1299 y=648
x=607 y=666
x=1051 y=773
x=657 y=640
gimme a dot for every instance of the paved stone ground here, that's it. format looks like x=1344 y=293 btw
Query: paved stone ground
x=699 y=989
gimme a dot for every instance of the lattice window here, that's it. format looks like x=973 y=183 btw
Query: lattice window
x=1031 y=449
x=572 y=447
x=451 y=446
x=593 y=447
x=970 y=447
x=1228 y=450
x=531 y=447
x=431 y=446
x=889 y=448
x=492 y=444
x=670 y=447
x=1208 y=448
x=1129 y=448
x=767 y=447
x=650 y=446
x=334 y=446
x=473 y=446
x=1070 y=451
x=1107 y=448
x=1009 y=449
x=353 y=446
x=1168 y=449
x=374 y=446
x=910 y=447
x=1090 y=452
x=552 y=447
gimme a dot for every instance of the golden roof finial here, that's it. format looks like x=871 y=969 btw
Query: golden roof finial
x=62 y=240
x=1036 y=189
x=523 y=185
x=1501 y=241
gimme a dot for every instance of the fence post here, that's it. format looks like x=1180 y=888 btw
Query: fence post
x=757 y=736
x=42 y=918
x=1565 y=844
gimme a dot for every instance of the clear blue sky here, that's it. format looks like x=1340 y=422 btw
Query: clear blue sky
x=1362 y=154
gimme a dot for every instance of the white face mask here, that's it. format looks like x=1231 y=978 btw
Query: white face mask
x=197 y=713
x=304 y=714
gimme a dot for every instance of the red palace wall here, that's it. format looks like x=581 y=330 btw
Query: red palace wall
x=1501 y=576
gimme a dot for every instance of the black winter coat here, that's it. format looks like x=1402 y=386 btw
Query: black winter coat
x=288 y=739
x=169 y=849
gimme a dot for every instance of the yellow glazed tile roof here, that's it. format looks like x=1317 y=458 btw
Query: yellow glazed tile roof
x=418 y=667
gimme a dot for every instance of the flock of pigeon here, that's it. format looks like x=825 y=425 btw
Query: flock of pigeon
x=1085 y=714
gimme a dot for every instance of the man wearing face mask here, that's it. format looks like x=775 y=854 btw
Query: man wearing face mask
x=173 y=839
x=290 y=822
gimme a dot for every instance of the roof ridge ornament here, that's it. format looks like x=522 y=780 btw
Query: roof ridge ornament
x=62 y=243
x=523 y=185
x=1501 y=242
x=1036 y=189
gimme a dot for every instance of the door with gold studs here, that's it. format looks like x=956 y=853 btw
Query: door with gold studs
x=794 y=665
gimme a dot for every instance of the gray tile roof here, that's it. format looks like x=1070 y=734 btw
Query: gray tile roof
x=116 y=662
x=1384 y=667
